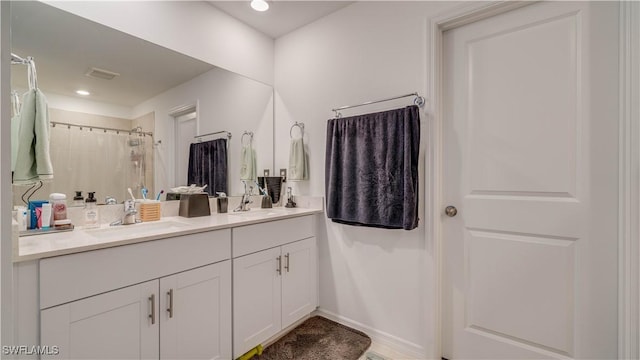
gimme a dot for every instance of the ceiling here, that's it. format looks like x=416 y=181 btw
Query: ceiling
x=282 y=16
x=64 y=46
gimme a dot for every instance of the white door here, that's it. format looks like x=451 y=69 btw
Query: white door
x=530 y=163
x=256 y=299
x=195 y=313
x=186 y=129
x=299 y=280
x=113 y=325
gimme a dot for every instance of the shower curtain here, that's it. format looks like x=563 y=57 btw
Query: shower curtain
x=92 y=161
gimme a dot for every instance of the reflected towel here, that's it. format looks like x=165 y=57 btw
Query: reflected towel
x=15 y=134
x=15 y=127
x=371 y=169
x=298 y=164
x=33 y=162
x=208 y=165
x=248 y=163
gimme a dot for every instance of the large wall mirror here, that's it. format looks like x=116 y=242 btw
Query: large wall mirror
x=133 y=130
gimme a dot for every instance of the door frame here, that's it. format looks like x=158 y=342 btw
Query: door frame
x=629 y=183
x=629 y=164
x=174 y=113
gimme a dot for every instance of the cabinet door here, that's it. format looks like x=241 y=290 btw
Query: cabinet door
x=113 y=325
x=195 y=313
x=256 y=297
x=299 y=280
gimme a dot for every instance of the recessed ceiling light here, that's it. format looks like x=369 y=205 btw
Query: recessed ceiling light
x=259 y=5
x=83 y=92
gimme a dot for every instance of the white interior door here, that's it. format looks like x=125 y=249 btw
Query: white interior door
x=531 y=163
x=186 y=129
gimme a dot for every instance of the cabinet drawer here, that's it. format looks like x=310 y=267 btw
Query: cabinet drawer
x=253 y=238
x=71 y=277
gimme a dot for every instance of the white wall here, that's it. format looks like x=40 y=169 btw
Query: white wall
x=193 y=28
x=226 y=101
x=380 y=280
x=87 y=106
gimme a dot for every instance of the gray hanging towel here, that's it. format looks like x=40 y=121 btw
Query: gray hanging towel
x=208 y=165
x=371 y=169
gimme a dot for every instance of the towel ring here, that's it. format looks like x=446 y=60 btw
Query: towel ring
x=298 y=125
x=250 y=134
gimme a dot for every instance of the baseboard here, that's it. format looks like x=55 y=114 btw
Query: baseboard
x=411 y=350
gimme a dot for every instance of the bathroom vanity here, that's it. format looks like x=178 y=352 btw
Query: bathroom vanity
x=166 y=289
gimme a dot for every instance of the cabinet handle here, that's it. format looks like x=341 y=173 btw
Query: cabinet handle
x=170 y=309
x=152 y=316
x=286 y=266
x=279 y=269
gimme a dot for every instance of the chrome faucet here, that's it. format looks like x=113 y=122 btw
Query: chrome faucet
x=129 y=216
x=246 y=199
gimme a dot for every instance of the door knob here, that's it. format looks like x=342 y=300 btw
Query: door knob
x=451 y=211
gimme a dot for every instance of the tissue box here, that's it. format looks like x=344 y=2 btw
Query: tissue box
x=194 y=205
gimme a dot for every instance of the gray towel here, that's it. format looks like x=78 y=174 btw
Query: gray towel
x=371 y=169
x=248 y=168
x=208 y=165
x=33 y=162
x=298 y=164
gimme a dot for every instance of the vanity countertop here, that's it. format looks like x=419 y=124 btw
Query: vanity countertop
x=80 y=240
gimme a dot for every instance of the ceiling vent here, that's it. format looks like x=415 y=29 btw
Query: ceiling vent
x=101 y=74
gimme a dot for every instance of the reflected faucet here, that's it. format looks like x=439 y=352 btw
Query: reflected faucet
x=129 y=216
x=246 y=199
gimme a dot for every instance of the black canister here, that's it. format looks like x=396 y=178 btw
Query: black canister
x=222 y=204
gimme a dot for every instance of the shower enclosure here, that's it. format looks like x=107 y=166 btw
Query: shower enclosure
x=94 y=158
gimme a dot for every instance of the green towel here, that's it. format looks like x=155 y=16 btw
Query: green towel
x=298 y=162
x=33 y=162
x=15 y=127
x=248 y=163
x=15 y=132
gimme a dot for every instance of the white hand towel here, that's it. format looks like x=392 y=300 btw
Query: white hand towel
x=298 y=164
x=248 y=163
x=33 y=162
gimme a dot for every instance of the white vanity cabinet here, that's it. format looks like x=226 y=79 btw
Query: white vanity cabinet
x=274 y=279
x=114 y=325
x=195 y=313
x=90 y=309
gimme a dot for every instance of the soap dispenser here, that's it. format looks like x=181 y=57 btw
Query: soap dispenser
x=290 y=202
x=91 y=218
x=78 y=200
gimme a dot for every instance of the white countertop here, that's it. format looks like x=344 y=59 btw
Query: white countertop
x=80 y=240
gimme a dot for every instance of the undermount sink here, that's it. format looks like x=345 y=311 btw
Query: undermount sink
x=259 y=212
x=139 y=229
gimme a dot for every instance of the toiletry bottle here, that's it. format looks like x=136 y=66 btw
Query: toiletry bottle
x=91 y=212
x=45 y=215
x=78 y=200
x=21 y=216
x=59 y=204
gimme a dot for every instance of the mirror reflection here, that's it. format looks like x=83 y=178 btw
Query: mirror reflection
x=146 y=106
